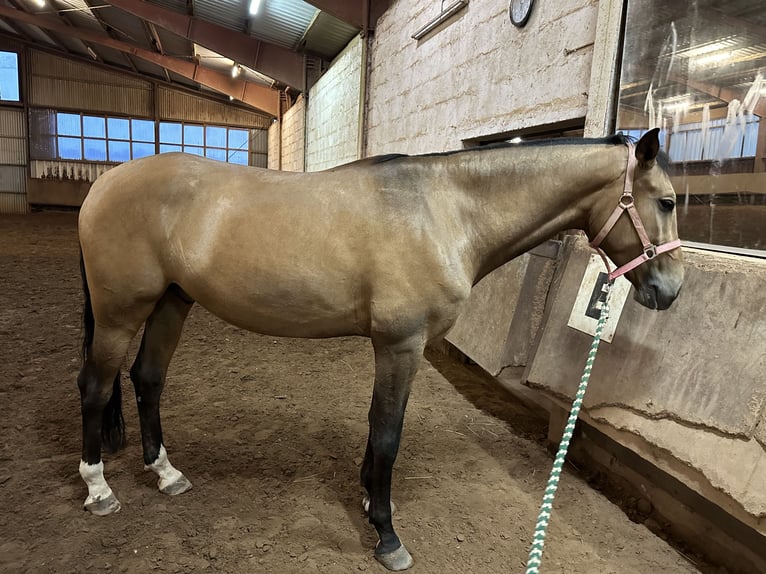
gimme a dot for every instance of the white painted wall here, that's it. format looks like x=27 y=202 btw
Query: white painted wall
x=294 y=137
x=332 y=120
x=477 y=75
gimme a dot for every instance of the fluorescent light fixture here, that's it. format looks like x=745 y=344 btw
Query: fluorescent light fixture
x=254 y=6
x=235 y=70
x=92 y=53
x=517 y=139
x=445 y=15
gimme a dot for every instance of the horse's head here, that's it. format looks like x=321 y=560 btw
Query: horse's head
x=641 y=234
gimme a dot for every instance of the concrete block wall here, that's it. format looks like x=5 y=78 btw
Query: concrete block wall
x=275 y=134
x=332 y=118
x=476 y=75
x=293 y=135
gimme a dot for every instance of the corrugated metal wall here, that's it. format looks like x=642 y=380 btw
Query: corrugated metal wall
x=66 y=84
x=259 y=148
x=13 y=160
x=178 y=105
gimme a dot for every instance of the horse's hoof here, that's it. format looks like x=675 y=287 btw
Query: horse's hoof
x=366 y=505
x=103 y=507
x=397 y=560
x=178 y=486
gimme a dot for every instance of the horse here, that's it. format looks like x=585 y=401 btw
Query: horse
x=386 y=248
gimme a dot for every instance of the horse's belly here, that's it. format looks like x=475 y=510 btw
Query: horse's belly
x=286 y=313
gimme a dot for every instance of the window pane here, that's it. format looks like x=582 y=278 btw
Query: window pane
x=119 y=151
x=216 y=137
x=143 y=130
x=194 y=150
x=69 y=148
x=239 y=157
x=219 y=154
x=170 y=133
x=167 y=148
x=118 y=128
x=93 y=127
x=142 y=150
x=238 y=139
x=698 y=76
x=194 y=135
x=9 y=76
x=68 y=124
x=95 y=149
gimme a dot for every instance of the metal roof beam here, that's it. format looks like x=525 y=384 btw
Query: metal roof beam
x=260 y=97
x=281 y=64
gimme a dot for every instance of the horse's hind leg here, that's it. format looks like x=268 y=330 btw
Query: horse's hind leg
x=99 y=385
x=161 y=334
x=395 y=366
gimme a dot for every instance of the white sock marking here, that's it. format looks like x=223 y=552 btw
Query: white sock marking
x=93 y=475
x=167 y=472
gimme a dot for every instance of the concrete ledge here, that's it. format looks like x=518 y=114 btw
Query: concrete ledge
x=683 y=389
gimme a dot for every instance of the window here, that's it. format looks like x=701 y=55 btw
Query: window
x=99 y=138
x=9 y=77
x=215 y=142
x=698 y=74
x=95 y=138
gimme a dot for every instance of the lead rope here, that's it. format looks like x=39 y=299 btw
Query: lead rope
x=536 y=552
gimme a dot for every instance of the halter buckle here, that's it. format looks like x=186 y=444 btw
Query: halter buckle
x=650 y=252
x=626 y=200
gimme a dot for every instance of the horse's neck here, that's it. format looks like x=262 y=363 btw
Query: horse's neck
x=526 y=195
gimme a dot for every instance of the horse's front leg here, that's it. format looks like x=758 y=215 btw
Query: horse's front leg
x=396 y=363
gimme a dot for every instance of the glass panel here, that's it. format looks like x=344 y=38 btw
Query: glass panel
x=194 y=135
x=9 y=76
x=143 y=130
x=239 y=157
x=194 y=150
x=219 y=154
x=697 y=72
x=168 y=148
x=142 y=150
x=170 y=133
x=215 y=136
x=238 y=139
x=118 y=129
x=93 y=127
x=68 y=124
x=70 y=148
x=119 y=151
x=95 y=149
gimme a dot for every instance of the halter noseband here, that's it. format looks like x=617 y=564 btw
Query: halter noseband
x=626 y=204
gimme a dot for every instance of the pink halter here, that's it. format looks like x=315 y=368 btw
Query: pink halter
x=626 y=204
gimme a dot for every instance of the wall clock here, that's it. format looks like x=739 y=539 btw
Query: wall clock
x=519 y=11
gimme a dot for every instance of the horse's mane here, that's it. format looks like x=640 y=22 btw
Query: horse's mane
x=617 y=139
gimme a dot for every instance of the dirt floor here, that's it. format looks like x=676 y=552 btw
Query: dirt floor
x=271 y=432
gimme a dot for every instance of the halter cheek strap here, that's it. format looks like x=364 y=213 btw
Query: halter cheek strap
x=650 y=251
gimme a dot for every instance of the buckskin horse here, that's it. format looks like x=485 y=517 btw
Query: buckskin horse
x=386 y=248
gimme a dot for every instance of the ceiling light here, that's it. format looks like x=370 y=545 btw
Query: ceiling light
x=235 y=70
x=515 y=140
x=40 y=3
x=254 y=6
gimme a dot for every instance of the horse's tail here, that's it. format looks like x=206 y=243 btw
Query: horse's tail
x=113 y=424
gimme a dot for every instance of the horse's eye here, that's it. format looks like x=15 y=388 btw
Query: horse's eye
x=667 y=204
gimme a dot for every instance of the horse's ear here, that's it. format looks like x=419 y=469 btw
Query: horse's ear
x=648 y=147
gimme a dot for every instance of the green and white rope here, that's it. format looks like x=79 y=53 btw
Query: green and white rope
x=536 y=552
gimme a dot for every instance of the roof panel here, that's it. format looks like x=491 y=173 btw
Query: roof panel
x=283 y=22
x=228 y=13
x=327 y=36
